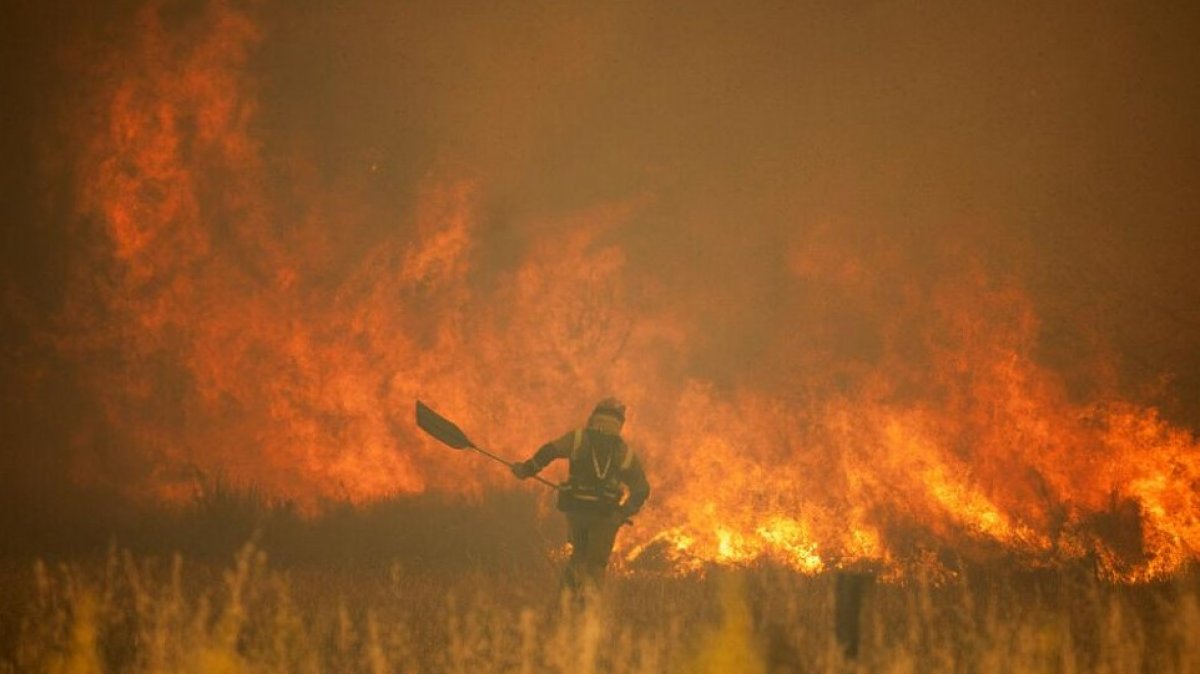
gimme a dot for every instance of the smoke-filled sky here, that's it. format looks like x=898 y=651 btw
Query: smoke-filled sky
x=240 y=238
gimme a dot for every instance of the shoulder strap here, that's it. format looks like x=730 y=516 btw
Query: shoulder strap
x=628 y=461
x=577 y=443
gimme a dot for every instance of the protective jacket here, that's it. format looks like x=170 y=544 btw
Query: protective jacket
x=602 y=468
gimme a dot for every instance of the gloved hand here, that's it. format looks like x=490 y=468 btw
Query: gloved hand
x=523 y=470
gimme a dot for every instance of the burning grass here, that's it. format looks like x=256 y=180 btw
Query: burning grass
x=486 y=600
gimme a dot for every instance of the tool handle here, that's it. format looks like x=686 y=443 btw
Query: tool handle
x=510 y=464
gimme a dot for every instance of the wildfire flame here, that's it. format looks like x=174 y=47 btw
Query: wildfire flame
x=232 y=312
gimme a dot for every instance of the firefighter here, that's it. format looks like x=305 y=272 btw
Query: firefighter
x=606 y=486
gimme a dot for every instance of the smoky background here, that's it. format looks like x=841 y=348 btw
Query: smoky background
x=1056 y=144
x=751 y=153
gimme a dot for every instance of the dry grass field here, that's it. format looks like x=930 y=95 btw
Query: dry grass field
x=422 y=587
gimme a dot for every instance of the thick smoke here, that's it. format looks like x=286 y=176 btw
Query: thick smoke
x=916 y=268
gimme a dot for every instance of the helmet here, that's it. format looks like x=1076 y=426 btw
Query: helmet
x=608 y=416
x=610 y=407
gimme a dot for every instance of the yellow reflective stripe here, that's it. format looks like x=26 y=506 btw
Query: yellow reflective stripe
x=628 y=458
x=578 y=443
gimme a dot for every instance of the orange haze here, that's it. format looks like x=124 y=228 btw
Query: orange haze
x=832 y=353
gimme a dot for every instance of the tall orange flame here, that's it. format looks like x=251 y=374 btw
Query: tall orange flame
x=232 y=321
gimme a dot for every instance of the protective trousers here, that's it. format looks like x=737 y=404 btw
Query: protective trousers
x=591 y=535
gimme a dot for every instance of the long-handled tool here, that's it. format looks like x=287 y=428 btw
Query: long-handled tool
x=451 y=435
